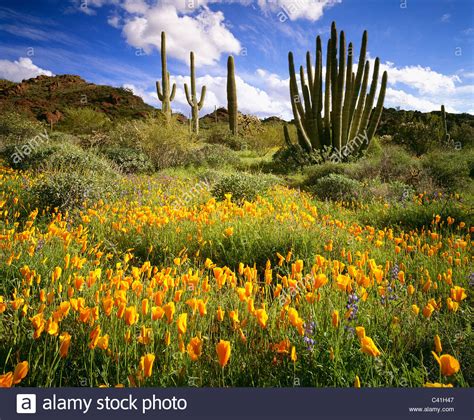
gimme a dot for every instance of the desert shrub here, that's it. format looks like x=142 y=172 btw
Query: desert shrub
x=315 y=172
x=462 y=133
x=83 y=121
x=63 y=156
x=395 y=191
x=69 y=190
x=128 y=160
x=265 y=137
x=221 y=135
x=337 y=187
x=393 y=163
x=17 y=127
x=450 y=170
x=243 y=186
x=212 y=155
x=294 y=158
x=417 y=136
x=166 y=145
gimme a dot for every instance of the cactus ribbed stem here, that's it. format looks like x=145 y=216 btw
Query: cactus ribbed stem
x=348 y=108
x=192 y=99
x=445 y=124
x=232 y=96
x=164 y=94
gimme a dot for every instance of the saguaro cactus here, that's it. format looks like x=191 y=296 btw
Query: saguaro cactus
x=445 y=124
x=349 y=115
x=164 y=95
x=232 y=96
x=192 y=99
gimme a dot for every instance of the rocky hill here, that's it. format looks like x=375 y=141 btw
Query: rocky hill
x=46 y=98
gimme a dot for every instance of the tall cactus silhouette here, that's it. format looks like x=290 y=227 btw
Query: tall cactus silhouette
x=232 y=96
x=445 y=124
x=164 y=95
x=192 y=99
x=348 y=108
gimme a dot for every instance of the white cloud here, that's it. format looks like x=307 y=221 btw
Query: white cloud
x=423 y=79
x=297 y=9
x=271 y=99
x=16 y=71
x=446 y=18
x=399 y=98
x=114 y=21
x=205 y=34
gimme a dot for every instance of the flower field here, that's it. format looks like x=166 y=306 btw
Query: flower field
x=285 y=290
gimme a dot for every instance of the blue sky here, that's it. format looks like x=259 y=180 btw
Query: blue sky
x=427 y=46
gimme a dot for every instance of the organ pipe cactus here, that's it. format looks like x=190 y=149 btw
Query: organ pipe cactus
x=232 y=96
x=192 y=99
x=340 y=115
x=164 y=94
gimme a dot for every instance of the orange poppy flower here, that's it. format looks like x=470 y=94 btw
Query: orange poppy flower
x=223 y=350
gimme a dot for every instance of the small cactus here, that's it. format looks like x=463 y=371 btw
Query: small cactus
x=232 y=96
x=164 y=95
x=192 y=99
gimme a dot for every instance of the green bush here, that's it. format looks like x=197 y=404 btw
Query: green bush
x=128 y=160
x=166 y=145
x=315 y=172
x=69 y=190
x=337 y=187
x=395 y=191
x=221 y=135
x=17 y=128
x=419 y=137
x=393 y=163
x=243 y=186
x=214 y=156
x=62 y=156
x=450 y=170
x=83 y=121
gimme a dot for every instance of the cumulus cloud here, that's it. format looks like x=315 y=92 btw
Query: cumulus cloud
x=19 y=70
x=297 y=9
x=425 y=80
x=270 y=99
x=205 y=34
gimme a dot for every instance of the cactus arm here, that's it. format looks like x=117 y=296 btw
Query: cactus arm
x=158 y=91
x=286 y=133
x=203 y=96
x=360 y=72
x=354 y=129
x=307 y=142
x=309 y=69
x=188 y=96
x=376 y=115
x=370 y=98
x=337 y=117
x=327 y=97
x=294 y=93
x=333 y=68
x=173 y=92
x=347 y=98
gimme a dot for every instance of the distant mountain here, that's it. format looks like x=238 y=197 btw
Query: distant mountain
x=47 y=97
